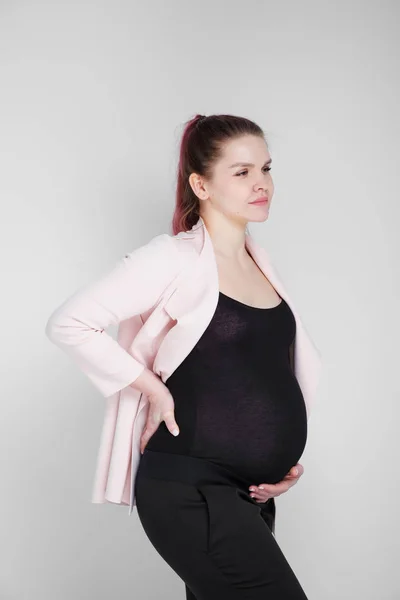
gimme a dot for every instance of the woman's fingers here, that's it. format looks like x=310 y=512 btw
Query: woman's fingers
x=154 y=419
x=170 y=422
x=152 y=424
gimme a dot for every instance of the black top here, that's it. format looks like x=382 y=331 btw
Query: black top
x=237 y=400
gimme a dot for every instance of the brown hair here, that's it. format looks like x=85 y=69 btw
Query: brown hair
x=201 y=146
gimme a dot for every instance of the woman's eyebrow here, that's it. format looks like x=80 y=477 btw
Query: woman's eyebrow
x=247 y=164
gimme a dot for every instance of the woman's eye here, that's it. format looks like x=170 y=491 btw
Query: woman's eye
x=243 y=172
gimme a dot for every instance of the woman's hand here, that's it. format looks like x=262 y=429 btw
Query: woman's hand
x=161 y=409
x=265 y=491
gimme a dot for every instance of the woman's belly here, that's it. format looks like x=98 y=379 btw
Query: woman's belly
x=254 y=426
x=259 y=429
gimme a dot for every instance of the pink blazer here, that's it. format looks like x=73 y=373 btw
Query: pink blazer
x=162 y=296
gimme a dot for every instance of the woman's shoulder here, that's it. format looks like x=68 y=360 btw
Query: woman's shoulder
x=164 y=252
x=180 y=245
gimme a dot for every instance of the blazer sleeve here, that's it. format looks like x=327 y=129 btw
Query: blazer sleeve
x=133 y=286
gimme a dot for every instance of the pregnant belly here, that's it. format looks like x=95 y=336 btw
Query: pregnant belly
x=259 y=436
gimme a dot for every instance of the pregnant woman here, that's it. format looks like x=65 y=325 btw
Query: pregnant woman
x=229 y=366
x=237 y=403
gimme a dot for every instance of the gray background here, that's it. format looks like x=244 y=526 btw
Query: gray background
x=93 y=97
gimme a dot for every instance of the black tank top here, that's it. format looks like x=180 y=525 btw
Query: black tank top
x=237 y=400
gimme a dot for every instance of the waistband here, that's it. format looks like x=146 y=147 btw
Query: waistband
x=188 y=469
x=204 y=474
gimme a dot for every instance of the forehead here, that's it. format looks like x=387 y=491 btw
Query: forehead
x=246 y=149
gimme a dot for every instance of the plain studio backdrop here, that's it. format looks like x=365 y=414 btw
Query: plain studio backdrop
x=93 y=99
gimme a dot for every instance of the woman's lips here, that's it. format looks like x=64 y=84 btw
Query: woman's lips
x=260 y=201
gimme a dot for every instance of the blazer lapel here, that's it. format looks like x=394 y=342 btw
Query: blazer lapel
x=192 y=304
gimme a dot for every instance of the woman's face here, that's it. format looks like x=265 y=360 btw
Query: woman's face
x=235 y=184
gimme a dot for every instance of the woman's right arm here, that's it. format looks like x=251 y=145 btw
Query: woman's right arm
x=133 y=286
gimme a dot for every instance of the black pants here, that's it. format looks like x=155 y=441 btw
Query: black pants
x=203 y=522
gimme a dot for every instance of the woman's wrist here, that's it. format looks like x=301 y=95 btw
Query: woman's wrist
x=148 y=382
